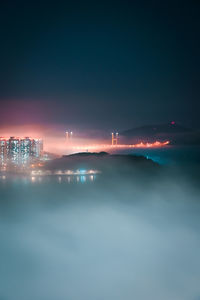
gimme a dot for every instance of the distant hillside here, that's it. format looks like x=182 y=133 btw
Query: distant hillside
x=156 y=129
x=173 y=132
x=103 y=162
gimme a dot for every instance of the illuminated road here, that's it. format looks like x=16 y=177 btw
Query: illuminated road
x=99 y=147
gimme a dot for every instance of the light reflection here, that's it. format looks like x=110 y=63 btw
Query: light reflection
x=63 y=172
x=83 y=179
x=39 y=179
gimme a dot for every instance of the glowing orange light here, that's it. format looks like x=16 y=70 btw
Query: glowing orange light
x=156 y=144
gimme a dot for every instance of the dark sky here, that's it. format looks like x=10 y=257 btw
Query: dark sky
x=112 y=64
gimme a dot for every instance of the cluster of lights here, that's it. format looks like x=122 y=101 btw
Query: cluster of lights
x=69 y=179
x=19 y=150
x=64 y=172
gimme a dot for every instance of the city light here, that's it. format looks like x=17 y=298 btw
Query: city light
x=19 y=151
x=64 y=172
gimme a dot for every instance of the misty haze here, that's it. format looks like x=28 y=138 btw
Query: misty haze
x=100 y=150
x=120 y=237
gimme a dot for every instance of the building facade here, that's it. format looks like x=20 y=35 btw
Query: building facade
x=13 y=154
x=3 y=150
x=20 y=150
x=36 y=148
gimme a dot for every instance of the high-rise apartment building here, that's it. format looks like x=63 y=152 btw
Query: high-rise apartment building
x=25 y=149
x=20 y=150
x=36 y=148
x=13 y=153
x=3 y=150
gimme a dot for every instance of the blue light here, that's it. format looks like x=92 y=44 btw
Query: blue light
x=83 y=179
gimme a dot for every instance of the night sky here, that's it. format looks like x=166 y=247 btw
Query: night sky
x=101 y=65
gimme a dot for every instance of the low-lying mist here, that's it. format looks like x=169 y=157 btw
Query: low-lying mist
x=118 y=238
